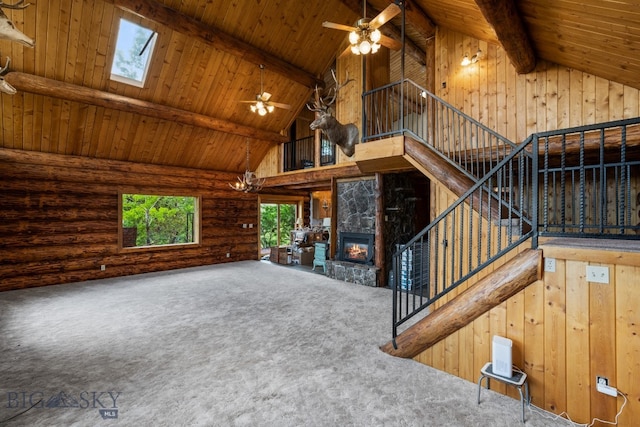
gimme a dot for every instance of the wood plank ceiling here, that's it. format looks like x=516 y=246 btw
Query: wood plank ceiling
x=200 y=77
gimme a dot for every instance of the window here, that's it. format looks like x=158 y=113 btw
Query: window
x=132 y=56
x=156 y=220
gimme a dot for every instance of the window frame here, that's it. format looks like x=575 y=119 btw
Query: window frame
x=150 y=48
x=197 y=222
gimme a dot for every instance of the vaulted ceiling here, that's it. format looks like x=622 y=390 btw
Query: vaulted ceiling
x=207 y=59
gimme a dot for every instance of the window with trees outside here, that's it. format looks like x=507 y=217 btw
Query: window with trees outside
x=158 y=220
x=132 y=55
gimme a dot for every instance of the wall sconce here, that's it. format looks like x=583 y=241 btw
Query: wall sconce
x=325 y=206
x=466 y=61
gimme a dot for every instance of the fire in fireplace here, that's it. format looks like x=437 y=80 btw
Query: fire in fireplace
x=356 y=247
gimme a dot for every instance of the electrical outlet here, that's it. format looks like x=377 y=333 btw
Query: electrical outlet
x=550 y=265
x=597 y=274
x=228 y=255
x=103 y=267
x=602 y=385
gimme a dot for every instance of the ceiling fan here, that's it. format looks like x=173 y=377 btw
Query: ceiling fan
x=262 y=104
x=365 y=36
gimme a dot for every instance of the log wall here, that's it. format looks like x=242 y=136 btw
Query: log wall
x=59 y=218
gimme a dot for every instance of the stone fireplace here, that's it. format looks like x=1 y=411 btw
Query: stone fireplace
x=406 y=211
x=355 y=230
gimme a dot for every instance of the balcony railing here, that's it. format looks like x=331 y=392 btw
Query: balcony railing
x=590 y=181
x=300 y=154
x=405 y=108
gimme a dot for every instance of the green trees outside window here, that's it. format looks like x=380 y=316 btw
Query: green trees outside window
x=276 y=222
x=158 y=220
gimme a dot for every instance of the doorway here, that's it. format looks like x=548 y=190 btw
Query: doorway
x=277 y=219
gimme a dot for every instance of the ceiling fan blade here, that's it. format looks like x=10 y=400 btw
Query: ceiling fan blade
x=248 y=102
x=335 y=26
x=390 y=43
x=391 y=11
x=279 y=105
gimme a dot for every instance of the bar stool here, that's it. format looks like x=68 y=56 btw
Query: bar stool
x=518 y=380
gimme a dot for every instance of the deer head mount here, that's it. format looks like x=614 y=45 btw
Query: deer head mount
x=9 y=31
x=344 y=136
x=4 y=85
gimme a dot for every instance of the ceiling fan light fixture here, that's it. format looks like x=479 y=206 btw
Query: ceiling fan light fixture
x=262 y=111
x=365 y=41
x=353 y=37
x=270 y=108
x=376 y=36
x=364 y=47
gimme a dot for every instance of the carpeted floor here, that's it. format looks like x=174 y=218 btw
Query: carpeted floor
x=241 y=344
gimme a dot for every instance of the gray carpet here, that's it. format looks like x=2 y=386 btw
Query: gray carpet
x=241 y=344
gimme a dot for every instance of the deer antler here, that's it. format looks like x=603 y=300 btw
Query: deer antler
x=3 y=69
x=317 y=105
x=322 y=105
x=18 y=5
x=336 y=89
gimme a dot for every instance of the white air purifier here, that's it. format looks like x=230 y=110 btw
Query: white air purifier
x=501 y=352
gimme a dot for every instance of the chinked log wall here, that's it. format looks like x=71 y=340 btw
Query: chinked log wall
x=59 y=218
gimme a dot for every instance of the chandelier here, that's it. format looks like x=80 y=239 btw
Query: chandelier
x=249 y=182
x=364 y=40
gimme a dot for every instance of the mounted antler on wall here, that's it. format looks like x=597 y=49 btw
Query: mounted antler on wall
x=4 y=85
x=344 y=136
x=8 y=30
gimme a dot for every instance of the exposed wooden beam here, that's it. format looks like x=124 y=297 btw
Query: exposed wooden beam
x=310 y=178
x=164 y=15
x=70 y=92
x=494 y=289
x=503 y=16
x=419 y=20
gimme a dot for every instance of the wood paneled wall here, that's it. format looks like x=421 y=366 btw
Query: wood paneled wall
x=59 y=218
x=551 y=97
x=565 y=332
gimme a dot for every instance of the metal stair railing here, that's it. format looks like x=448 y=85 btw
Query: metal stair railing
x=584 y=188
x=405 y=108
x=480 y=227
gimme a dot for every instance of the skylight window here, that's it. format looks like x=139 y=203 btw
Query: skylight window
x=132 y=56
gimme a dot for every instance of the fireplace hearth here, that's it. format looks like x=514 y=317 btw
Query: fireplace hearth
x=356 y=247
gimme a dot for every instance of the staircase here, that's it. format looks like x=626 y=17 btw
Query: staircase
x=508 y=195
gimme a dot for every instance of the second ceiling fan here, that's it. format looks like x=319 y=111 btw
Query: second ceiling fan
x=365 y=37
x=263 y=104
